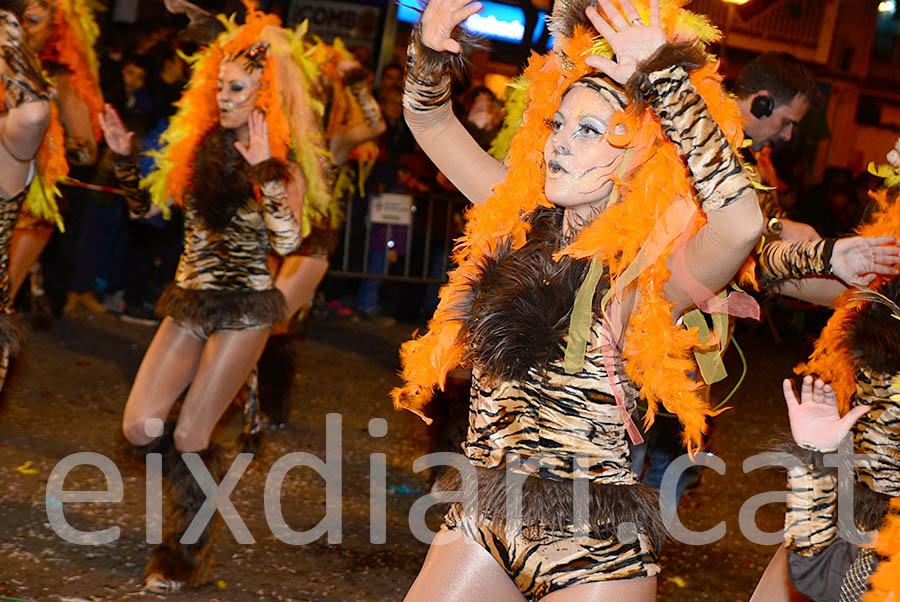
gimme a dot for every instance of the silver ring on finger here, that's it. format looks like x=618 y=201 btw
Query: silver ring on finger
x=636 y=21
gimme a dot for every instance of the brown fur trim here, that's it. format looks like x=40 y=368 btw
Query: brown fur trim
x=137 y=454
x=432 y=61
x=221 y=183
x=873 y=335
x=189 y=563
x=688 y=55
x=211 y=308
x=869 y=507
x=567 y=14
x=320 y=242
x=547 y=504
x=517 y=312
x=11 y=332
x=270 y=169
x=784 y=443
x=277 y=366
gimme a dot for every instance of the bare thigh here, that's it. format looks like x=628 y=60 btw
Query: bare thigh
x=224 y=365
x=457 y=569
x=642 y=589
x=774 y=585
x=166 y=370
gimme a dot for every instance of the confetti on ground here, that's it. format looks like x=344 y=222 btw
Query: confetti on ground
x=26 y=468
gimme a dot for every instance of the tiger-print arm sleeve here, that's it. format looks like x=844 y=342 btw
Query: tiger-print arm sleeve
x=715 y=253
x=20 y=71
x=129 y=176
x=359 y=83
x=768 y=203
x=783 y=259
x=428 y=113
x=810 y=523
x=663 y=83
x=284 y=231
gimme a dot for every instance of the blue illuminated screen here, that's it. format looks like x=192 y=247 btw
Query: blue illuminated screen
x=495 y=21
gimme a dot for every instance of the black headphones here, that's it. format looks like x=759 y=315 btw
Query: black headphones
x=762 y=106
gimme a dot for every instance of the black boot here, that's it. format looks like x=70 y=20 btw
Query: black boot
x=174 y=566
x=276 y=375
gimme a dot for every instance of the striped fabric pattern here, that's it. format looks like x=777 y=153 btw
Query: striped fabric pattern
x=716 y=170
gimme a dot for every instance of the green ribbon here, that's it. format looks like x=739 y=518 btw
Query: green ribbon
x=710 y=363
x=581 y=319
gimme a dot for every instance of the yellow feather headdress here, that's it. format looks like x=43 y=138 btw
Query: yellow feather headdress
x=284 y=97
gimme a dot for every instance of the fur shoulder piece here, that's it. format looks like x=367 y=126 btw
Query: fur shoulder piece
x=873 y=334
x=687 y=55
x=519 y=302
x=221 y=184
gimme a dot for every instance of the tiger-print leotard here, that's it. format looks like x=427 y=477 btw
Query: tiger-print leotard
x=223 y=276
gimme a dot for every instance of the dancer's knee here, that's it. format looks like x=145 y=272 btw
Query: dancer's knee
x=189 y=439
x=135 y=429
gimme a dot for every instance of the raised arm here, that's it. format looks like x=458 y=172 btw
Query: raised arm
x=273 y=176
x=657 y=73
x=119 y=141
x=427 y=107
x=819 y=271
x=76 y=117
x=27 y=106
x=359 y=84
x=810 y=523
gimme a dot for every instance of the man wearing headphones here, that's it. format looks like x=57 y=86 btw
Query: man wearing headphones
x=775 y=91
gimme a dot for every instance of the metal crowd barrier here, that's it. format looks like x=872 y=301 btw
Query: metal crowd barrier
x=420 y=228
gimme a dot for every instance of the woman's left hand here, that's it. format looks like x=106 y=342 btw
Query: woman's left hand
x=631 y=40
x=815 y=420
x=259 y=150
x=858 y=260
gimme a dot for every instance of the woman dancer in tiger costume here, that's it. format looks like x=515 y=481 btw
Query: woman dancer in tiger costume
x=238 y=155
x=858 y=356
x=26 y=146
x=562 y=335
x=62 y=33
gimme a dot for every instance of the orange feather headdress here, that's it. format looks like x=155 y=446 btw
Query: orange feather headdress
x=659 y=354
x=284 y=98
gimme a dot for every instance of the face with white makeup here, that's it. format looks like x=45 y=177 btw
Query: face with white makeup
x=579 y=160
x=236 y=94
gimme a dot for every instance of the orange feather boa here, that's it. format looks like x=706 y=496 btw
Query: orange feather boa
x=658 y=353
x=71 y=46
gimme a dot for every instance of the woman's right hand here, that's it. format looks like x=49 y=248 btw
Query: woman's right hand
x=815 y=420
x=440 y=19
x=117 y=137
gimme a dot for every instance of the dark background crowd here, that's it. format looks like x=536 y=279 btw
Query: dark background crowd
x=108 y=261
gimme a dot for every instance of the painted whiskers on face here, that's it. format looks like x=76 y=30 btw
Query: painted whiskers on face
x=236 y=94
x=580 y=161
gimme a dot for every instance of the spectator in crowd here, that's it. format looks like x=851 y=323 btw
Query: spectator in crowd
x=775 y=91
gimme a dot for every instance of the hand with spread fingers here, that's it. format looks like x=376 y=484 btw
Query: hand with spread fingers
x=259 y=150
x=118 y=139
x=632 y=40
x=815 y=421
x=439 y=20
x=859 y=260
